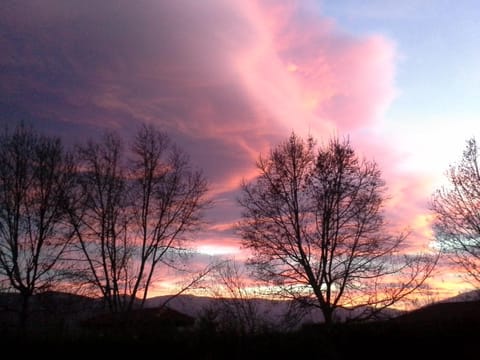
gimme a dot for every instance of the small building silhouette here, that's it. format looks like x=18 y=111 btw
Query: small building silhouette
x=139 y=322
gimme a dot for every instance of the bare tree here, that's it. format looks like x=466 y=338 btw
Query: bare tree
x=457 y=213
x=35 y=178
x=167 y=197
x=130 y=215
x=99 y=215
x=315 y=224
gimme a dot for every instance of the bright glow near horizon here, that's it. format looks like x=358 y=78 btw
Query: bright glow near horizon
x=214 y=250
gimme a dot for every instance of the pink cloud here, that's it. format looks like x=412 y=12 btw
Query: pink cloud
x=408 y=193
x=311 y=75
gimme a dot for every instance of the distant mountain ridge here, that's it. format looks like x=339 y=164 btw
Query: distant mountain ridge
x=443 y=313
x=270 y=311
x=73 y=308
x=472 y=295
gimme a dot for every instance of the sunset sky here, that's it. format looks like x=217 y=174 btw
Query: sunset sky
x=229 y=79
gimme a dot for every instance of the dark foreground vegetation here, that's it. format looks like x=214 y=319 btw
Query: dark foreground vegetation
x=373 y=340
x=440 y=330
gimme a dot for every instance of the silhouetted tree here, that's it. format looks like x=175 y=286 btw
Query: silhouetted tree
x=457 y=213
x=99 y=215
x=167 y=198
x=314 y=222
x=35 y=179
x=132 y=214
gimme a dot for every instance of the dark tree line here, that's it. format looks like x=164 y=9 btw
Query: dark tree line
x=107 y=215
x=100 y=216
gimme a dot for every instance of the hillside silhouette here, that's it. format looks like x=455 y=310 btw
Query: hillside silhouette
x=443 y=312
x=73 y=308
x=61 y=320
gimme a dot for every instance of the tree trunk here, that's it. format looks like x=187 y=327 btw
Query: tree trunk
x=328 y=315
x=24 y=313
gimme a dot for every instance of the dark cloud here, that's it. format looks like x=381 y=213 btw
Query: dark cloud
x=82 y=66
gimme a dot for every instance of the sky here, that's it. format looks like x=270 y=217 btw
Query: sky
x=227 y=80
